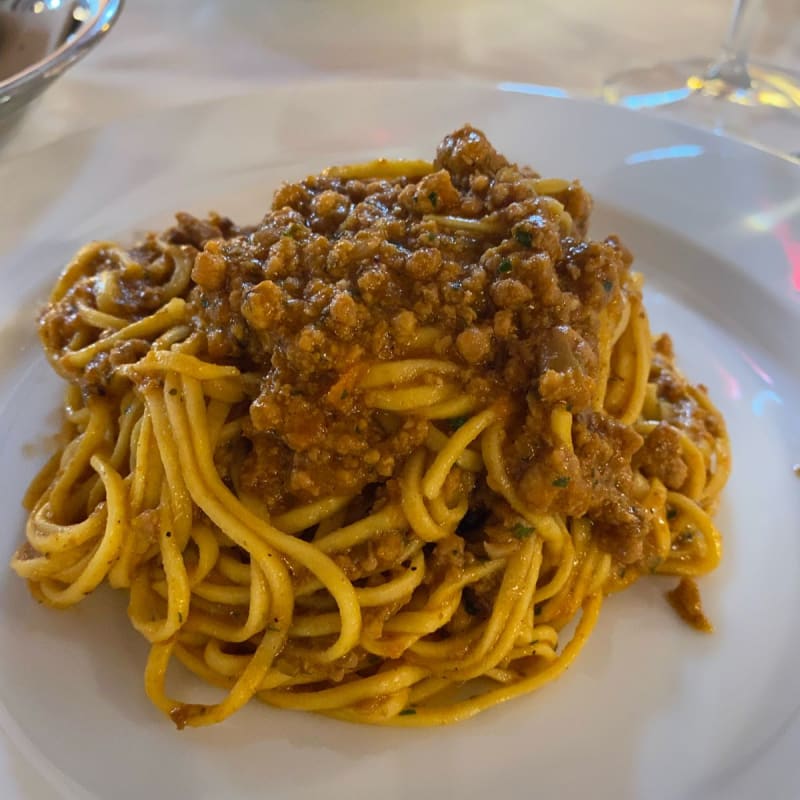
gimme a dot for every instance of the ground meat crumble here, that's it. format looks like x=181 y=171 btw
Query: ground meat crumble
x=342 y=271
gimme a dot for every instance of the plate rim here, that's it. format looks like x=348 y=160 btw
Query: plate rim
x=305 y=84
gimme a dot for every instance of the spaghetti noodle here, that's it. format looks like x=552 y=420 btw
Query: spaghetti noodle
x=374 y=456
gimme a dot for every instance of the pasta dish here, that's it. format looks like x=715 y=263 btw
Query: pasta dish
x=381 y=456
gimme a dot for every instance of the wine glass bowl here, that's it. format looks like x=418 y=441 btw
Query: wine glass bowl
x=731 y=94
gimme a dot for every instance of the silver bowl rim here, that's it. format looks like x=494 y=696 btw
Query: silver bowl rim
x=56 y=62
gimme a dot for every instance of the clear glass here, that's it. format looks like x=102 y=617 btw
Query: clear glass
x=731 y=94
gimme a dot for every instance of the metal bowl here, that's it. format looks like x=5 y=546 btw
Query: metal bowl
x=39 y=39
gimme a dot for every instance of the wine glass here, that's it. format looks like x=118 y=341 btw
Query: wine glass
x=731 y=94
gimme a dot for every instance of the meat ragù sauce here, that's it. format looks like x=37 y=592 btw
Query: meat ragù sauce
x=474 y=261
x=685 y=600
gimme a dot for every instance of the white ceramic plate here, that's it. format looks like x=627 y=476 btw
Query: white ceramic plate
x=651 y=709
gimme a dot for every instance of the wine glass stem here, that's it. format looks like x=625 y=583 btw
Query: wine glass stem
x=731 y=66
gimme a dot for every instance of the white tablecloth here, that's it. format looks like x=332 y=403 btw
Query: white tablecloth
x=171 y=52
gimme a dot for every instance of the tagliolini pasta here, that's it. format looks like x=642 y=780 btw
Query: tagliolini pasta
x=376 y=455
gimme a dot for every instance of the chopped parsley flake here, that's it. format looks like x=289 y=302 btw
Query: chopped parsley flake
x=407 y=712
x=685 y=537
x=655 y=563
x=457 y=422
x=562 y=482
x=292 y=231
x=505 y=266
x=521 y=531
x=434 y=198
x=608 y=285
x=672 y=513
x=523 y=237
